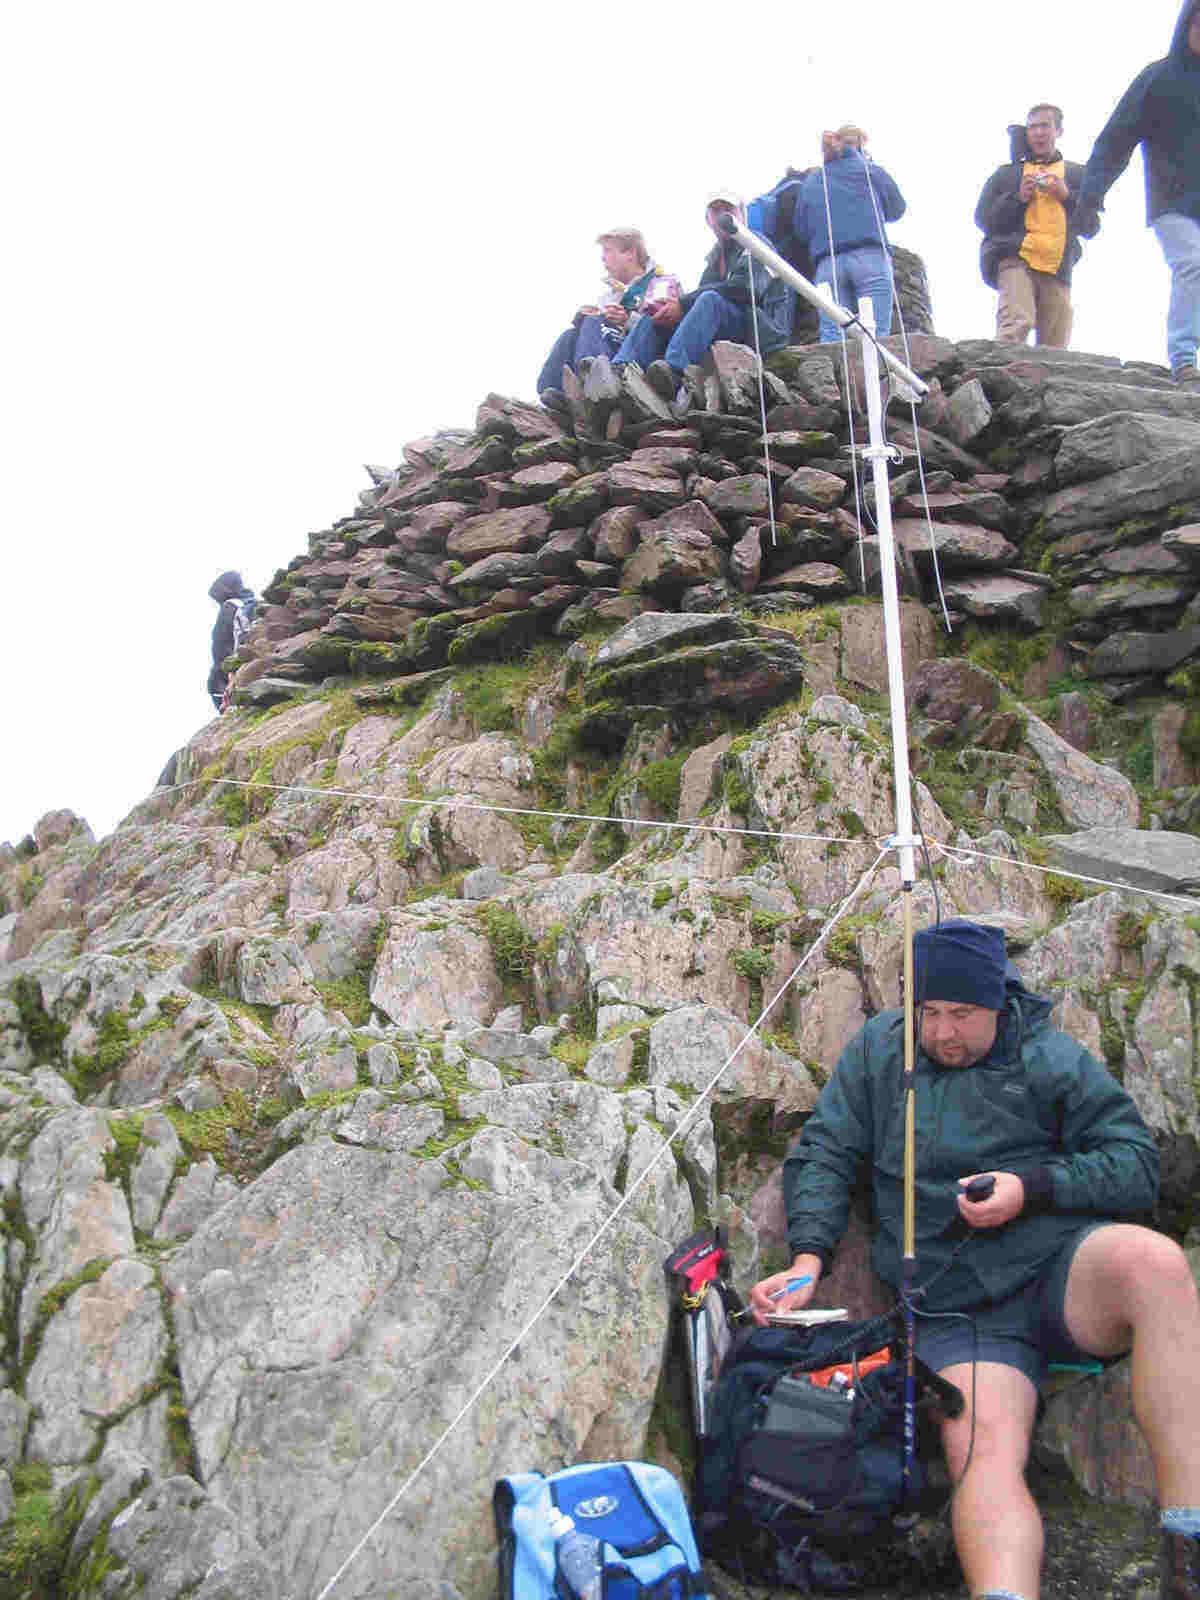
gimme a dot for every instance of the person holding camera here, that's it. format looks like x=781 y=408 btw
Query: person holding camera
x=1030 y=242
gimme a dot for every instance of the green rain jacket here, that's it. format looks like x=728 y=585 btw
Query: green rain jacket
x=1038 y=1105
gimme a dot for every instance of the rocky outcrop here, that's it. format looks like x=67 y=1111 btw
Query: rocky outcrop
x=323 y=1077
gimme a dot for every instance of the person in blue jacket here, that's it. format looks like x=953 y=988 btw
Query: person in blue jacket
x=856 y=196
x=1160 y=110
x=1049 y=1266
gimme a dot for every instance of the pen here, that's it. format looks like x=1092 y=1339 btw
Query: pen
x=792 y=1283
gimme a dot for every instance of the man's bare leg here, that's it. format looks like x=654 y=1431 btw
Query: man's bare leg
x=997 y=1526
x=1132 y=1289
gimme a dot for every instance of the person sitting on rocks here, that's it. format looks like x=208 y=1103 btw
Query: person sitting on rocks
x=841 y=211
x=1029 y=245
x=1038 y=1269
x=598 y=328
x=680 y=330
x=236 y=612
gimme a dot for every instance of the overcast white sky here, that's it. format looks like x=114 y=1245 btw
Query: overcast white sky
x=253 y=245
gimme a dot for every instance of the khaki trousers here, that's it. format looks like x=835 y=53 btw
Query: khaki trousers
x=1030 y=299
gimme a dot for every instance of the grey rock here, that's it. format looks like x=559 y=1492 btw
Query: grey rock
x=614 y=533
x=177 y=1539
x=809 y=486
x=520 y=528
x=742 y=672
x=383 y=1064
x=610 y=1064
x=1099 y=601
x=967 y=412
x=202 y=1190
x=1122 y=655
x=319 y=1355
x=833 y=708
x=14 y=1419
x=1089 y=794
x=747 y=496
x=1165 y=861
x=97 y=1355
x=1118 y=440
x=154 y=1170
x=960 y=547
x=998 y=596
x=657 y=631
x=1151 y=486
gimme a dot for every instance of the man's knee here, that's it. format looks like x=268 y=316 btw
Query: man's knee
x=997 y=1422
x=1142 y=1268
x=1159 y=1267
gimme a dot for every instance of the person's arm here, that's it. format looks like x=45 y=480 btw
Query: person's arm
x=822 y=1167
x=1110 y=1164
x=887 y=192
x=1115 y=144
x=1000 y=208
x=1107 y=1164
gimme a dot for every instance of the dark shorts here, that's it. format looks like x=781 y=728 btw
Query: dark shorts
x=1027 y=1331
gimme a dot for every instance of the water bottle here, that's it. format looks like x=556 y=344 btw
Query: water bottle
x=578 y=1557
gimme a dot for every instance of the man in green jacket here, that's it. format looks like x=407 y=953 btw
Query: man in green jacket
x=1039 y=1270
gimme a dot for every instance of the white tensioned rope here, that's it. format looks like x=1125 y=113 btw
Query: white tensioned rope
x=858 y=492
x=912 y=404
x=762 y=395
x=454 y=803
x=1178 y=902
x=681 y=1127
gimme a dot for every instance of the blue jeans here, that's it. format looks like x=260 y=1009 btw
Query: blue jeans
x=865 y=273
x=1179 y=237
x=711 y=317
x=592 y=337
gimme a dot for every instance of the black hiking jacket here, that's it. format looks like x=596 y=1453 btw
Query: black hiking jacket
x=1001 y=211
x=1160 y=110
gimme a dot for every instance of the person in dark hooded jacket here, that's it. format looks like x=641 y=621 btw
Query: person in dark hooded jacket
x=234 y=599
x=1030 y=244
x=1160 y=110
x=1051 y=1265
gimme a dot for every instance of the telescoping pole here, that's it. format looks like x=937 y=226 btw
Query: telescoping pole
x=817 y=297
x=877 y=452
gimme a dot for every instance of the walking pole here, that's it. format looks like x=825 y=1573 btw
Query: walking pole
x=878 y=454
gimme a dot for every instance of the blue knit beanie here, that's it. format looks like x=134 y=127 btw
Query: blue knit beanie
x=960 y=961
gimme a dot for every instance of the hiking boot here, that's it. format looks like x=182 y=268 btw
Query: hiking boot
x=664 y=380
x=1179 y=1566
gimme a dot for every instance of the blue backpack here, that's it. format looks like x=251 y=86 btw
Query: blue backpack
x=638 y=1512
x=773 y=216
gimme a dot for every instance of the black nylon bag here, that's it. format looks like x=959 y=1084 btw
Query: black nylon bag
x=815 y=1501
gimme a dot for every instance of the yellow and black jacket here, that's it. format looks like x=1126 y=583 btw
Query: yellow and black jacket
x=1040 y=231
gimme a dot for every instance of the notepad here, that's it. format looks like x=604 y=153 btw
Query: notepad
x=808 y=1318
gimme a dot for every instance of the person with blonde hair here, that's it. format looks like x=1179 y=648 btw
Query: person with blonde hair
x=840 y=213
x=599 y=326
